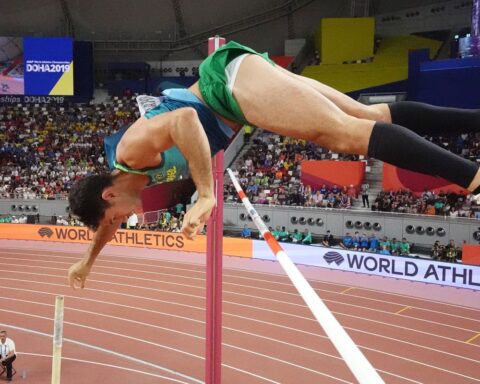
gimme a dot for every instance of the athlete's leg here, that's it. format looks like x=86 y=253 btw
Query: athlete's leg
x=422 y=118
x=273 y=100
x=376 y=112
x=426 y=119
x=284 y=105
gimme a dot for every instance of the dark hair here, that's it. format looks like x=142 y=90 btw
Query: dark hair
x=85 y=199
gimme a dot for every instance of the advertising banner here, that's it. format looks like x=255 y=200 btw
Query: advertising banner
x=145 y=239
x=471 y=254
x=35 y=67
x=48 y=64
x=408 y=268
x=395 y=179
x=329 y=172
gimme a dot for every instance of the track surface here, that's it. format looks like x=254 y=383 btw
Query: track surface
x=141 y=319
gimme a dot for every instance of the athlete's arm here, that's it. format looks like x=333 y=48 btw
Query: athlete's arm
x=147 y=138
x=78 y=272
x=188 y=135
x=184 y=129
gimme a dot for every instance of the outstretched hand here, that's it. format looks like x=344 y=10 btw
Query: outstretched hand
x=77 y=274
x=196 y=217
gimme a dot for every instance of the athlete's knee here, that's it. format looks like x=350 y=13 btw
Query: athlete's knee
x=337 y=140
x=343 y=145
x=379 y=112
x=348 y=136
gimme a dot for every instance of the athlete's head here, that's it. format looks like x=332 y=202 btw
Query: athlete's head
x=101 y=199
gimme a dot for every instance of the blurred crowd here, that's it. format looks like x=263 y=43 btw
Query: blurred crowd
x=44 y=149
x=370 y=243
x=282 y=234
x=270 y=173
x=429 y=203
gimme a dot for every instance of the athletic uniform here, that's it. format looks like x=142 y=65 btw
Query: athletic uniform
x=217 y=77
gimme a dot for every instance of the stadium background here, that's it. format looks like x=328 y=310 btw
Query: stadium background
x=119 y=48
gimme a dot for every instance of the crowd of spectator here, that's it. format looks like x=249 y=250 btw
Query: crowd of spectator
x=283 y=235
x=429 y=203
x=466 y=145
x=44 y=149
x=370 y=243
x=270 y=174
x=448 y=252
x=167 y=222
x=66 y=220
x=11 y=219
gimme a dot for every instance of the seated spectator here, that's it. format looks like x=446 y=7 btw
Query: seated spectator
x=384 y=251
x=404 y=247
x=386 y=244
x=352 y=192
x=317 y=199
x=296 y=237
x=246 y=232
x=345 y=201
x=332 y=200
x=436 y=251
x=374 y=244
x=284 y=235
x=324 y=190
x=327 y=239
x=451 y=252
x=132 y=221
x=364 y=243
x=439 y=204
x=430 y=210
x=347 y=241
x=356 y=241
x=395 y=247
x=167 y=216
x=277 y=233
x=307 y=237
x=61 y=221
x=174 y=226
x=179 y=209
x=445 y=204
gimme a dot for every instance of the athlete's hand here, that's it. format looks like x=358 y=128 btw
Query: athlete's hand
x=195 y=219
x=77 y=274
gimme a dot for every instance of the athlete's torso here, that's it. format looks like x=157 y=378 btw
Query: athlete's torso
x=195 y=89
x=173 y=165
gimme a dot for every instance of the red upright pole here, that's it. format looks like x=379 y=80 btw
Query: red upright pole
x=213 y=342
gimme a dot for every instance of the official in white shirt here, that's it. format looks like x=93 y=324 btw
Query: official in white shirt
x=7 y=352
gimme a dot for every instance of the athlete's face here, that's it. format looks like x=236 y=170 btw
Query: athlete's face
x=122 y=206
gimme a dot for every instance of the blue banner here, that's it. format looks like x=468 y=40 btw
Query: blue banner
x=48 y=65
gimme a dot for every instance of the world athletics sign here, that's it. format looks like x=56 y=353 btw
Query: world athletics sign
x=407 y=268
x=130 y=238
x=423 y=270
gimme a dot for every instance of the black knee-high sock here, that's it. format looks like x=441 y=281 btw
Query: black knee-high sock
x=426 y=119
x=400 y=147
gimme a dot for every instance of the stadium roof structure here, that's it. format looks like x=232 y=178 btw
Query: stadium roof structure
x=174 y=25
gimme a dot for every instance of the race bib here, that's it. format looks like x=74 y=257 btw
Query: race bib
x=146 y=103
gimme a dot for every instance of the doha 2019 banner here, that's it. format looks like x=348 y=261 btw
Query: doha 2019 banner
x=36 y=66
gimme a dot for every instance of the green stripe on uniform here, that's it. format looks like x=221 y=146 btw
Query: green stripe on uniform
x=213 y=80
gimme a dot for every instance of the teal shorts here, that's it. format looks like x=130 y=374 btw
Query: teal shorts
x=213 y=80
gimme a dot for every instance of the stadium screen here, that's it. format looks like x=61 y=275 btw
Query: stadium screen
x=36 y=66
